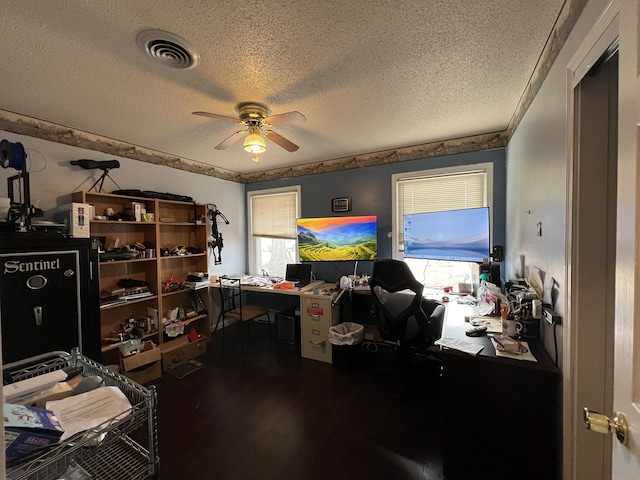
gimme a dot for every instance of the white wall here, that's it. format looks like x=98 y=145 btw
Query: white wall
x=53 y=179
x=536 y=175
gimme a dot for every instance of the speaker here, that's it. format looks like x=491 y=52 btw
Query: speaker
x=494 y=273
x=498 y=253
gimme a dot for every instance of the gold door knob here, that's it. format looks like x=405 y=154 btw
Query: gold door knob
x=600 y=423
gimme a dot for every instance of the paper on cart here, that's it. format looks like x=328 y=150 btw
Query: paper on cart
x=88 y=410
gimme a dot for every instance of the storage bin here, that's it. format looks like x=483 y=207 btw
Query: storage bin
x=288 y=326
x=346 y=340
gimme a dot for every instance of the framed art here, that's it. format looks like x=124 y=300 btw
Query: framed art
x=342 y=204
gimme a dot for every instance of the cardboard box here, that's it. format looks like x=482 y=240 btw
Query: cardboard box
x=57 y=392
x=137 y=210
x=76 y=216
x=27 y=429
x=181 y=350
x=144 y=366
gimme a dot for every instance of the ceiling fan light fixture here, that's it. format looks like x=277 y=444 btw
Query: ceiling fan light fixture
x=254 y=143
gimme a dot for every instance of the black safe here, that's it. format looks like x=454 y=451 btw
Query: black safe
x=49 y=295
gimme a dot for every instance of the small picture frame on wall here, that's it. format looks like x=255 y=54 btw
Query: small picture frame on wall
x=342 y=204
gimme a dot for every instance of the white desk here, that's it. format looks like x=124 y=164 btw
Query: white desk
x=317 y=315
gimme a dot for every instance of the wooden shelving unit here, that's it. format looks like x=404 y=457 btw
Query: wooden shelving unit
x=168 y=224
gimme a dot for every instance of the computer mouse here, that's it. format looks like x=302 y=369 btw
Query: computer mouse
x=478 y=331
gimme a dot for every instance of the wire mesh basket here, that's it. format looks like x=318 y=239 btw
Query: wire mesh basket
x=122 y=447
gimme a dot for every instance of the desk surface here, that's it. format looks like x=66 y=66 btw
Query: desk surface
x=455 y=327
x=324 y=289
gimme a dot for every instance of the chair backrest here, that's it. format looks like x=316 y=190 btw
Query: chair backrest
x=230 y=293
x=402 y=314
x=436 y=312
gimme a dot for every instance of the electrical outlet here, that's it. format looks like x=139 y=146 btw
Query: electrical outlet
x=551 y=316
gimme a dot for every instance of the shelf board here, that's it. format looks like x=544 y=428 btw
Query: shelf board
x=188 y=320
x=133 y=260
x=180 y=341
x=177 y=202
x=114 y=346
x=182 y=224
x=122 y=222
x=176 y=292
x=114 y=197
x=129 y=302
x=182 y=290
x=183 y=256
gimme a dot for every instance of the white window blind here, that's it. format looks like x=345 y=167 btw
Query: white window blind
x=274 y=215
x=441 y=192
x=436 y=193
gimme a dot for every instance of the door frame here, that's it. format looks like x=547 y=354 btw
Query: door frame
x=603 y=34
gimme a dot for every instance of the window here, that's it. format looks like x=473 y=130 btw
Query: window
x=273 y=240
x=469 y=186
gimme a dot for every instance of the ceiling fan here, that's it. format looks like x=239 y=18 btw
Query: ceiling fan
x=255 y=117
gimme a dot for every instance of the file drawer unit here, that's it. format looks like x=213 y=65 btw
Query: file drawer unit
x=317 y=317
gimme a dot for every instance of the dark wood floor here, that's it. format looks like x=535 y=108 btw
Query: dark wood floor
x=273 y=415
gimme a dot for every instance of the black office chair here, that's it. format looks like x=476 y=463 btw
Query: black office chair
x=231 y=306
x=404 y=318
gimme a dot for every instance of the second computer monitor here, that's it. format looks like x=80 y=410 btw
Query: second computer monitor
x=298 y=273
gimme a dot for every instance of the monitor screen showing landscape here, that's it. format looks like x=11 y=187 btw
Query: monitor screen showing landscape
x=334 y=239
x=461 y=235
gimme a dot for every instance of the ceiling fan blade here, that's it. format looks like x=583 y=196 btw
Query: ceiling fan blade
x=219 y=117
x=280 y=140
x=227 y=142
x=282 y=118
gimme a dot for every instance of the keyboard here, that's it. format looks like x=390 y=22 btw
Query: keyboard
x=310 y=286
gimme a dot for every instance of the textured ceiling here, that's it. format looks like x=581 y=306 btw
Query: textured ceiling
x=369 y=75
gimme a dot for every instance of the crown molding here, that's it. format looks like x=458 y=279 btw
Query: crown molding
x=473 y=143
x=22 y=125
x=32 y=127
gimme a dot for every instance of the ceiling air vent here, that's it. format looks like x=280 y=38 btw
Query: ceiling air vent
x=168 y=49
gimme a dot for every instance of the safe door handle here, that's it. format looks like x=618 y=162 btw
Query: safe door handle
x=600 y=423
x=37 y=315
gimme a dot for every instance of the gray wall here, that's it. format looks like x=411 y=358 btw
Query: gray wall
x=537 y=179
x=53 y=179
x=370 y=192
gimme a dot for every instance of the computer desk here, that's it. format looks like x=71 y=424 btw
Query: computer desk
x=318 y=313
x=501 y=417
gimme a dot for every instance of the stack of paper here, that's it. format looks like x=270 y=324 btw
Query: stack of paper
x=466 y=347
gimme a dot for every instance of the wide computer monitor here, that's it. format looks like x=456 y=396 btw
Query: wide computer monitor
x=459 y=235
x=333 y=239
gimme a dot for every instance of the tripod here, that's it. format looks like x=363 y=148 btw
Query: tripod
x=105 y=174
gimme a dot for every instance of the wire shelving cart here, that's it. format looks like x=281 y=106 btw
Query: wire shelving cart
x=123 y=447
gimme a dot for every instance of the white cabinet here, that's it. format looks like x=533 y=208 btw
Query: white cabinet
x=317 y=316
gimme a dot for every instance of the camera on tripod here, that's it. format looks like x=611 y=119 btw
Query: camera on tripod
x=104 y=165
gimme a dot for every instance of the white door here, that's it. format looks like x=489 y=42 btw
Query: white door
x=589 y=454
x=626 y=398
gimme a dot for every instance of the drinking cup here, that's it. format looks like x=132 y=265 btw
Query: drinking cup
x=511 y=327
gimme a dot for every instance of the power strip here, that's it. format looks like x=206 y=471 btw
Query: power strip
x=551 y=316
